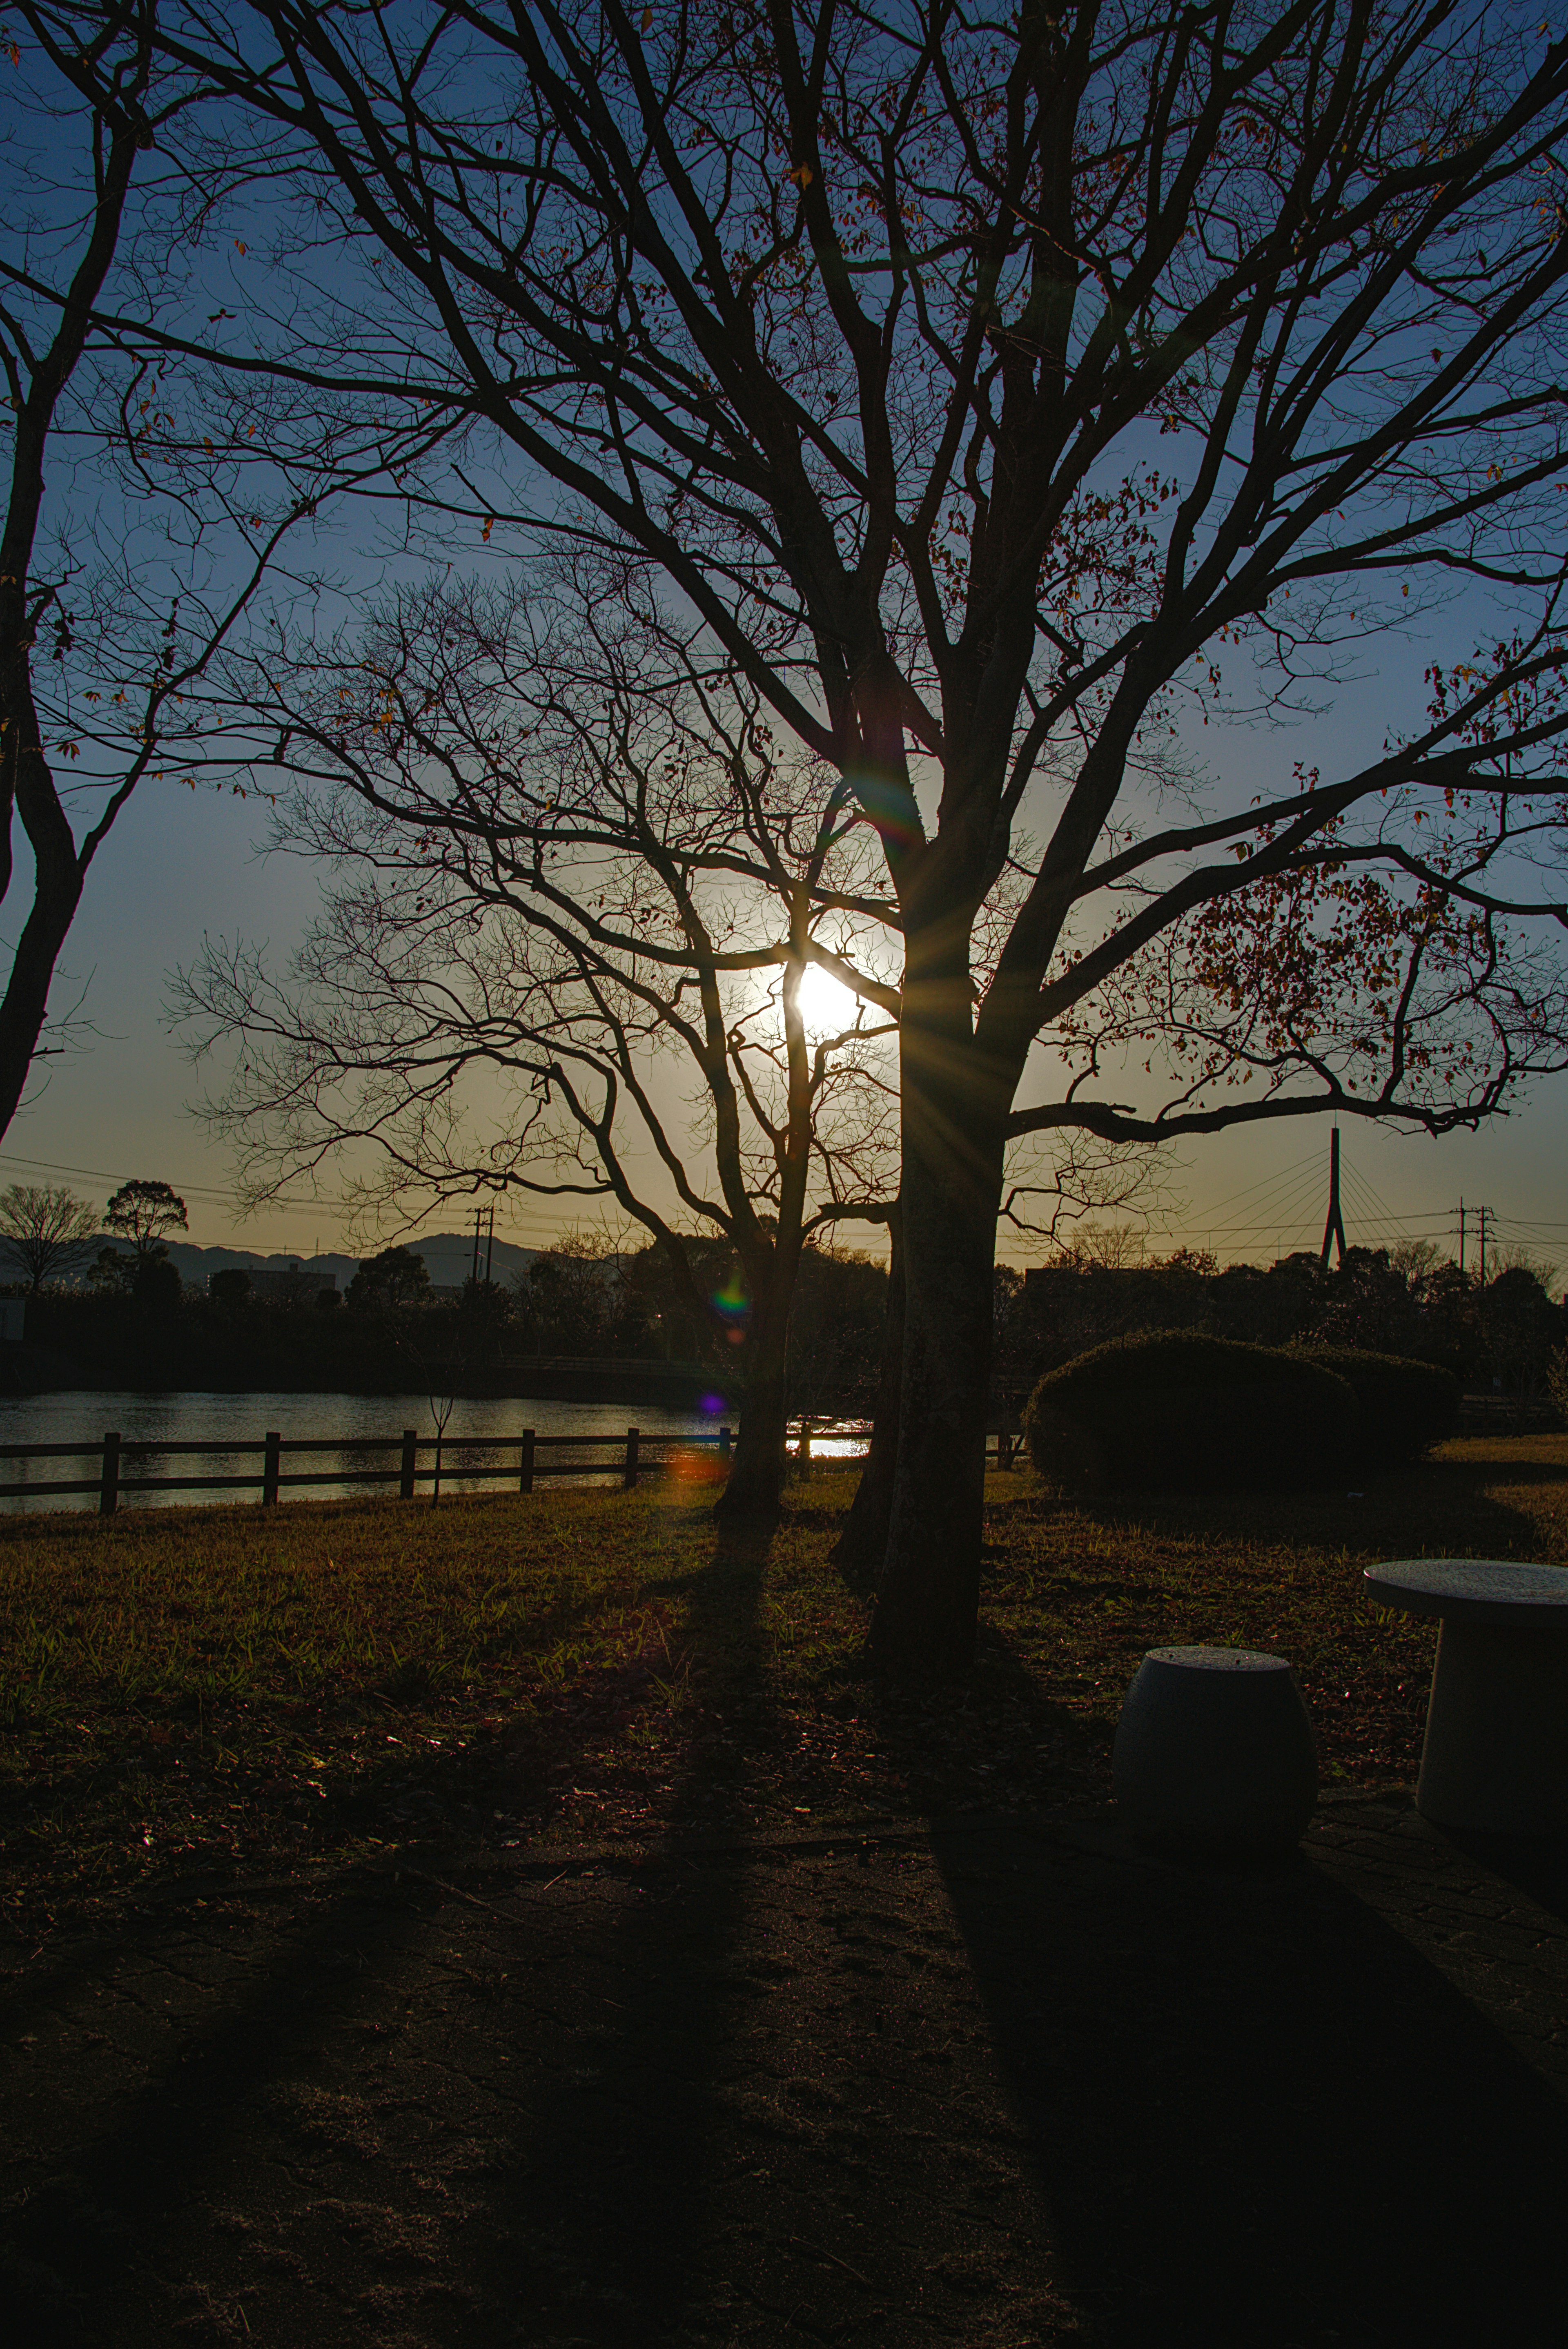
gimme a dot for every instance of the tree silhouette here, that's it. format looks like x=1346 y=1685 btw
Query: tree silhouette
x=144 y=1214
x=1004 y=395
x=45 y=1229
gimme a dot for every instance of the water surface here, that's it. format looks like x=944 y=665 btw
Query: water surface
x=83 y=1415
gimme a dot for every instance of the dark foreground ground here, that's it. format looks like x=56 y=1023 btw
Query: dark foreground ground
x=1007 y=2082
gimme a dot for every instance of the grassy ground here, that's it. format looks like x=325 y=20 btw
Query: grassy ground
x=192 y=1688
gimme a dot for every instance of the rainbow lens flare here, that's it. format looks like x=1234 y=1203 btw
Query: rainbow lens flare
x=889 y=806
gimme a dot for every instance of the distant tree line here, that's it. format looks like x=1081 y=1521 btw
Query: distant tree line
x=47 y=1235
x=124 y=1315
x=584 y=1299
x=1501 y=1335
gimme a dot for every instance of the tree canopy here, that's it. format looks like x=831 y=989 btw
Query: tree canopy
x=145 y=1212
x=1008 y=400
x=397 y=1276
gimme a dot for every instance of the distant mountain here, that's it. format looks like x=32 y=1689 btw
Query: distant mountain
x=449 y=1260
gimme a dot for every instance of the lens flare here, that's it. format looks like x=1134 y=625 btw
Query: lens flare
x=889 y=805
x=693 y=1467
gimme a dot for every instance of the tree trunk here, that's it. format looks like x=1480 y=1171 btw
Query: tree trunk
x=25 y=1003
x=27 y=784
x=757 y=1473
x=929 y=1592
x=863 y=1543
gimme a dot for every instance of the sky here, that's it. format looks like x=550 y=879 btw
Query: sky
x=179 y=862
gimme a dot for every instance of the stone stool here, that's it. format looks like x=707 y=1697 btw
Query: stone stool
x=1214 y=1749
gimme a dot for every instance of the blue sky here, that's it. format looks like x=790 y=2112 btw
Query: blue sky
x=179 y=862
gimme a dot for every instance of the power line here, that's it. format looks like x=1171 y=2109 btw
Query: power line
x=208 y=1195
x=1266 y=1181
x=1286 y=1204
x=1304 y=1222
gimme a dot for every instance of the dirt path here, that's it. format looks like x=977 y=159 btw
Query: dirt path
x=1004 y=2083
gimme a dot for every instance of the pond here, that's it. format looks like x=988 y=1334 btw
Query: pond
x=82 y=1417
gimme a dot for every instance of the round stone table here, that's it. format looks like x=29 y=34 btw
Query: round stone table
x=1495 y=1758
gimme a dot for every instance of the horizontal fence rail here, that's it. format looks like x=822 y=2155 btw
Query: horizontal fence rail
x=419 y=1460
x=616 y=1362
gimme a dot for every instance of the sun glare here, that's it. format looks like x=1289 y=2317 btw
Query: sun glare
x=826 y=1008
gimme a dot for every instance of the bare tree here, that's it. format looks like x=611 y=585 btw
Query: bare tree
x=581 y=948
x=45 y=1229
x=149 y=502
x=997 y=392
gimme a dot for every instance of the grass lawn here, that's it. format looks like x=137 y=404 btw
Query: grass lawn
x=201 y=1687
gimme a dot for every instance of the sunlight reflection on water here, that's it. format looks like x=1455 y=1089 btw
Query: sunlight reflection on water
x=81 y=1417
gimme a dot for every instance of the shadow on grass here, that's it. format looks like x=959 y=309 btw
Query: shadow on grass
x=553 y=2153
x=995 y=1740
x=1260 y=2115
x=1444 y=1506
x=613 y=2184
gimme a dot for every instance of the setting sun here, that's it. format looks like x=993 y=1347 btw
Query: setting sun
x=827 y=1006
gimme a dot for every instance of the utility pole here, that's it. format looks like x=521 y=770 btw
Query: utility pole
x=1461 y=1235
x=1334 y=1229
x=489 y=1247
x=476 y=1274
x=1482 y=1214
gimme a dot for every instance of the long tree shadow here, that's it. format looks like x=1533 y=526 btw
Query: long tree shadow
x=1260 y=2116
x=447 y=1800
x=598 y=2218
x=547 y=2166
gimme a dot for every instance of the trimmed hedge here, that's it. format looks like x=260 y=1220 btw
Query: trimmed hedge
x=1402 y=1408
x=1173 y=1408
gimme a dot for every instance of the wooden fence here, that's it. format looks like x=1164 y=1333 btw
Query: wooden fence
x=418 y=1460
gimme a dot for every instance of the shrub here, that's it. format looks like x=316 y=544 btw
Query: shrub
x=1175 y=1408
x=1402 y=1408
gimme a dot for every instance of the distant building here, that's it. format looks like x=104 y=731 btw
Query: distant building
x=296 y=1284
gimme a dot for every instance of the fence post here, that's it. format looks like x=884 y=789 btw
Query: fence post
x=724 y=1442
x=269 y=1469
x=109 y=1487
x=525 y=1469
x=630 y=1478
